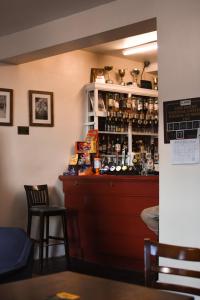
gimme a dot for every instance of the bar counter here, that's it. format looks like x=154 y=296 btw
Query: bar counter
x=104 y=223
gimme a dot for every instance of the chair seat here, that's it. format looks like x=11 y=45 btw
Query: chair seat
x=47 y=210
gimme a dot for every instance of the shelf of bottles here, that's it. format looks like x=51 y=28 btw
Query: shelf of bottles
x=127 y=121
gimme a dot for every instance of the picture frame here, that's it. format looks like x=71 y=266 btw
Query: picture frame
x=41 y=108
x=6 y=107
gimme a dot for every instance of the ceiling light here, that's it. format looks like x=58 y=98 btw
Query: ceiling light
x=139 y=39
x=140 y=49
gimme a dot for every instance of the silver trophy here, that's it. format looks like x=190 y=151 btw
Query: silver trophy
x=122 y=74
x=107 y=70
x=135 y=73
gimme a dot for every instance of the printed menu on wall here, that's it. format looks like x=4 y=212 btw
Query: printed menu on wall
x=181 y=119
x=185 y=151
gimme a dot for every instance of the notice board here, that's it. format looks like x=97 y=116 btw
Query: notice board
x=181 y=119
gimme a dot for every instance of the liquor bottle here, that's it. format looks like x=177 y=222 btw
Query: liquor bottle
x=109 y=146
x=107 y=122
x=117 y=149
x=140 y=109
x=112 y=147
x=100 y=145
x=117 y=145
x=117 y=124
x=97 y=165
x=124 y=151
x=129 y=102
x=116 y=102
x=113 y=127
x=110 y=101
x=146 y=104
x=121 y=102
x=104 y=145
x=156 y=115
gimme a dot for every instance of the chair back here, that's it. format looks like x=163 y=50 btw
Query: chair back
x=37 y=195
x=152 y=268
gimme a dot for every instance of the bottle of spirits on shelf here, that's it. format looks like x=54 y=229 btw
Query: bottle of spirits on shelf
x=129 y=103
x=117 y=149
x=124 y=151
x=116 y=102
x=109 y=102
x=104 y=145
x=109 y=146
x=97 y=165
x=100 y=145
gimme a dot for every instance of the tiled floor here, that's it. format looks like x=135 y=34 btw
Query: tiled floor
x=58 y=264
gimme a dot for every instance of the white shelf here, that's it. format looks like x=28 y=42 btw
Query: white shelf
x=144 y=133
x=121 y=89
x=113 y=132
x=92 y=117
x=133 y=133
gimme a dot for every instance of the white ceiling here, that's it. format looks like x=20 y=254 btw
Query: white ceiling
x=17 y=15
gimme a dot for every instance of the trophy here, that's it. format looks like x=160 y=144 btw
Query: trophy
x=108 y=69
x=135 y=72
x=121 y=74
x=155 y=82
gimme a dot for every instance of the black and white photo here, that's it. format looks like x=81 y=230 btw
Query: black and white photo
x=6 y=107
x=41 y=108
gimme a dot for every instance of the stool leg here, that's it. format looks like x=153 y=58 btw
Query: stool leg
x=29 y=225
x=47 y=236
x=66 y=240
x=41 y=242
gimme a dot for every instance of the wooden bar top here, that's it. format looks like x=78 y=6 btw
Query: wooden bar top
x=150 y=178
x=87 y=287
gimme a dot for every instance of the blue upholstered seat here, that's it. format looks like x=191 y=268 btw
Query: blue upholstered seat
x=16 y=254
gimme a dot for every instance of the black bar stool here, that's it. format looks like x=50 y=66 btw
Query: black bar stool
x=38 y=205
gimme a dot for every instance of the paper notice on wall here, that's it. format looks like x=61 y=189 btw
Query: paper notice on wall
x=185 y=151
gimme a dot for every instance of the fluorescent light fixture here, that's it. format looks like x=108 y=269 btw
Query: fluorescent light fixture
x=141 y=48
x=140 y=39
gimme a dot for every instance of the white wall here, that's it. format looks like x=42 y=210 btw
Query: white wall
x=43 y=155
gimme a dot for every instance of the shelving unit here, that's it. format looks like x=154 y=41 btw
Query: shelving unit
x=94 y=109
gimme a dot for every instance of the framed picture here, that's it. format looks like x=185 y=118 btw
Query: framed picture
x=6 y=107
x=41 y=108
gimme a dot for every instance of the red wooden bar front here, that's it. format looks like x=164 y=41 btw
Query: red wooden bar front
x=104 y=217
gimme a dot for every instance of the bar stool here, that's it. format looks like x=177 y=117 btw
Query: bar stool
x=38 y=205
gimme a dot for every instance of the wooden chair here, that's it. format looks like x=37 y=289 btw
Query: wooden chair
x=152 y=268
x=38 y=205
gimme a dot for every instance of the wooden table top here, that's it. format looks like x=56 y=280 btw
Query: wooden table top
x=87 y=287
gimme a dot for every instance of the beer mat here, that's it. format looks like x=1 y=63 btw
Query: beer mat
x=64 y=295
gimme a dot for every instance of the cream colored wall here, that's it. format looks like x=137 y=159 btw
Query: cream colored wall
x=43 y=155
